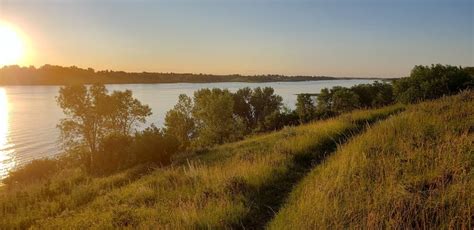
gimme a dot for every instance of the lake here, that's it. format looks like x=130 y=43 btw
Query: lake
x=29 y=114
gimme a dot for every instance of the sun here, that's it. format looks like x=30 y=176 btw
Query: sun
x=11 y=45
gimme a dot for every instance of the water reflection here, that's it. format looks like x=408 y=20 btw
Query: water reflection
x=6 y=151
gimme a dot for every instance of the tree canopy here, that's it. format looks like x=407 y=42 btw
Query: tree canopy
x=430 y=82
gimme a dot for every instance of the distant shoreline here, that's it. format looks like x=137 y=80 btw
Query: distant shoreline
x=58 y=75
x=152 y=83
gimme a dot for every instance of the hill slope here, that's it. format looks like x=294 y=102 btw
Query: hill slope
x=413 y=170
x=232 y=185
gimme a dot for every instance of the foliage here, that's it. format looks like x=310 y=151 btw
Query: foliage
x=87 y=111
x=98 y=122
x=243 y=108
x=470 y=70
x=264 y=103
x=118 y=152
x=280 y=119
x=213 y=113
x=411 y=171
x=180 y=123
x=215 y=116
x=430 y=82
x=376 y=94
x=341 y=99
x=305 y=107
x=113 y=154
x=344 y=100
x=127 y=112
x=153 y=146
x=33 y=171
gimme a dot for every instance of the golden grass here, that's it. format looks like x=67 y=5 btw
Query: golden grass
x=216 y=189
x=413 y=170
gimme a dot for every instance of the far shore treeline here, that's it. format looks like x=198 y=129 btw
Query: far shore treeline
x=59 y=75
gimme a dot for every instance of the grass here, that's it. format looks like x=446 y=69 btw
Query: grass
x=225 y=187
x=412 y=171
x=22 y=205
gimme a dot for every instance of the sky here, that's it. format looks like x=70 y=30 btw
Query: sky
x=344 y=38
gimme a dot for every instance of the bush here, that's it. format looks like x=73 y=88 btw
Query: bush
x=119 y=152
x=152 y=145
x=33 y=171
x=114 y=154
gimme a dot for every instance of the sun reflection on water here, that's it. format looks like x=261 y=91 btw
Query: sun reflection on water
x=6 y=151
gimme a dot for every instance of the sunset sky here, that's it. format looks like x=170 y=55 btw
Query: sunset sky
x=365 y=38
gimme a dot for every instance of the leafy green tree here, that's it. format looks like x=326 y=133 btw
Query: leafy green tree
x=324 y=103
x=215 y=120
x=87 y=114
x=430 y=82
x=242 y=106
x=92 y=115
x=180 y=123
x=128 y=112
x=374 y=95
x=264 y=102
x=383 y=94
x=305 y=107
x=280 y=119
x=344 y=100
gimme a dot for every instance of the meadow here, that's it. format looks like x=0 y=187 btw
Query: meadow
x=229 y=186
x=412 y=171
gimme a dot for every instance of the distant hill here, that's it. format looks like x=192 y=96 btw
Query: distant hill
x=59 y=75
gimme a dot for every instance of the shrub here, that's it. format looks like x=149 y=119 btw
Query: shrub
x=33 y=171
x=152 y=145
x=118 y=151
x=114 y=154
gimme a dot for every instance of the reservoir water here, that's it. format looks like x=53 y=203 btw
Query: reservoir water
x=29 y=114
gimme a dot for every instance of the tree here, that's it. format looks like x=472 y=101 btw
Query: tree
x=280 y=119
x=179 y=122
x=127 y=112
x=305 y=107
x=374 y=95
x=264 y=103
x=93 y=114
x=430 y=82
x=344 y=100
x=324 y=105
x=87 y=112
x=242 y=106
x=215 y=120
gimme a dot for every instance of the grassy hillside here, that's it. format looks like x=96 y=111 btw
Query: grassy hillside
x=413 y=170
x=233 y=185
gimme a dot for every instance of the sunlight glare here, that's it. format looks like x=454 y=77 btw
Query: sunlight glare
x=11 y=45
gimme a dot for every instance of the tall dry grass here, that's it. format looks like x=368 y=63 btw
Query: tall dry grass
x=412 y=171
x=228 y=186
